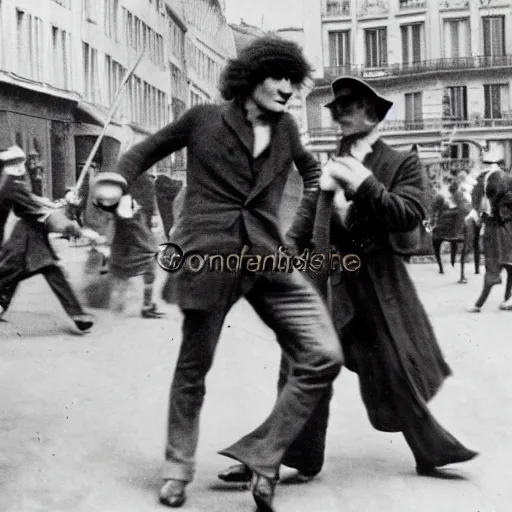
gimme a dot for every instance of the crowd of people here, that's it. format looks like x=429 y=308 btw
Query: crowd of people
x=368 y=200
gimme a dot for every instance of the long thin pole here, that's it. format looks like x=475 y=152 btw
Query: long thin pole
x=111 y=113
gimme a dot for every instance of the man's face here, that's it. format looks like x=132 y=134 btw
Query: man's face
x=273 y=94
x=351 y=116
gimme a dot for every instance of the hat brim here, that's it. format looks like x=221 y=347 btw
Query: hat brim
x=14 y=154
x=359 y=89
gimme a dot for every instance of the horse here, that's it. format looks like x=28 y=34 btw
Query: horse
x=451 y=206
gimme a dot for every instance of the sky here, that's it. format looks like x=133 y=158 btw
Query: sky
x=266 y=14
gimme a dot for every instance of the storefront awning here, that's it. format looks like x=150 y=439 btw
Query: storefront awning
x=90 y=120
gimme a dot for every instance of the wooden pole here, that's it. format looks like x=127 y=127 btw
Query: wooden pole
x=113 y=108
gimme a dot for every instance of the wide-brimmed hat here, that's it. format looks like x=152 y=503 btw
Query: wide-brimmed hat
x=12 y=154
x=348 y=88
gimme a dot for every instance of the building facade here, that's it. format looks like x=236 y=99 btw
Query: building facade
x=200 y=42
x=446 y=65
x=62 y=63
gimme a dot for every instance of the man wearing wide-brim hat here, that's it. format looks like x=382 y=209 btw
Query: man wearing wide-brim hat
x=372 y=205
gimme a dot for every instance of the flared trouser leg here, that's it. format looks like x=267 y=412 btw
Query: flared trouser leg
x=289 y=305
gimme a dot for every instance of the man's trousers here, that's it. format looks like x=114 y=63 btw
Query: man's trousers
x=290 y=306
x=55 y=278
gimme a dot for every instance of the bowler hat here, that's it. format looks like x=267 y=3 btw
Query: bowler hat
x=348 y=88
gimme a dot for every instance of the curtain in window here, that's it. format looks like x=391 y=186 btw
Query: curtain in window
x=494 y=35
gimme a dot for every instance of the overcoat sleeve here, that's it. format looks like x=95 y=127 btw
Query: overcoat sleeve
x=300 y=233
x=154 y=148
x=402 y=207
x=306 y=163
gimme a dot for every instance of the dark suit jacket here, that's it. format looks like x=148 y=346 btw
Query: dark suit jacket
x=28 y=248
x=15 y=196
x=231 y=198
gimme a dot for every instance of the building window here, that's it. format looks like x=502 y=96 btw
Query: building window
x=29 y=45
x=455 y=103
x=196 y=99
x=142 y=38
x=111 y=9
x=376 y=48
x=339 y=49
x=413 y=108
x=459 y=151
x=91 y=9
x=494 y=36
x=457 y=39
x=60 y=56
x=91 y=79
x=115 y=74
x=178 y=83
x=136 y=99
x=496 y=97
x=412 y=43
x=176 y=40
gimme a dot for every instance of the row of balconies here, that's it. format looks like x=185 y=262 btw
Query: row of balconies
x=343 y=8
x=424 y=66
x=441 y=125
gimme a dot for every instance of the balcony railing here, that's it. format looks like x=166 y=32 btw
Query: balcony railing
x=441 y=125
x=373 y=8
x=424 y=66
x=453 y=4
x=336 y=9
x=412 y=4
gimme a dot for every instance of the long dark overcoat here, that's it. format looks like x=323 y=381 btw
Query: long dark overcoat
x=396 y=343
x=231 y=198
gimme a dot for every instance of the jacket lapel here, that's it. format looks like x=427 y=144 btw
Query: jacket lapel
x=234 y=117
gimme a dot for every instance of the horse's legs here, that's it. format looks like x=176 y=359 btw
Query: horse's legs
x=437 y=253
x=508 y=286
x=463 y=253
x=453 y=253
x=476 y=247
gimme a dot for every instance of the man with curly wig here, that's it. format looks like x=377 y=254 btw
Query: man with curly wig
x=239 y=157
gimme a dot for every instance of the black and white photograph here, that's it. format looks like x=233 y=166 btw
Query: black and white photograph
x=255 y=256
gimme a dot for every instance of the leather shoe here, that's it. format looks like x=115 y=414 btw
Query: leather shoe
x=239 y=473
x=263 y=490
x=172 y=493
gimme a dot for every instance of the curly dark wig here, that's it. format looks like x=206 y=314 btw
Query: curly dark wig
x=266 y=57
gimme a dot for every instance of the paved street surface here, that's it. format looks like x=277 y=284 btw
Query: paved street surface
x=83 y=417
